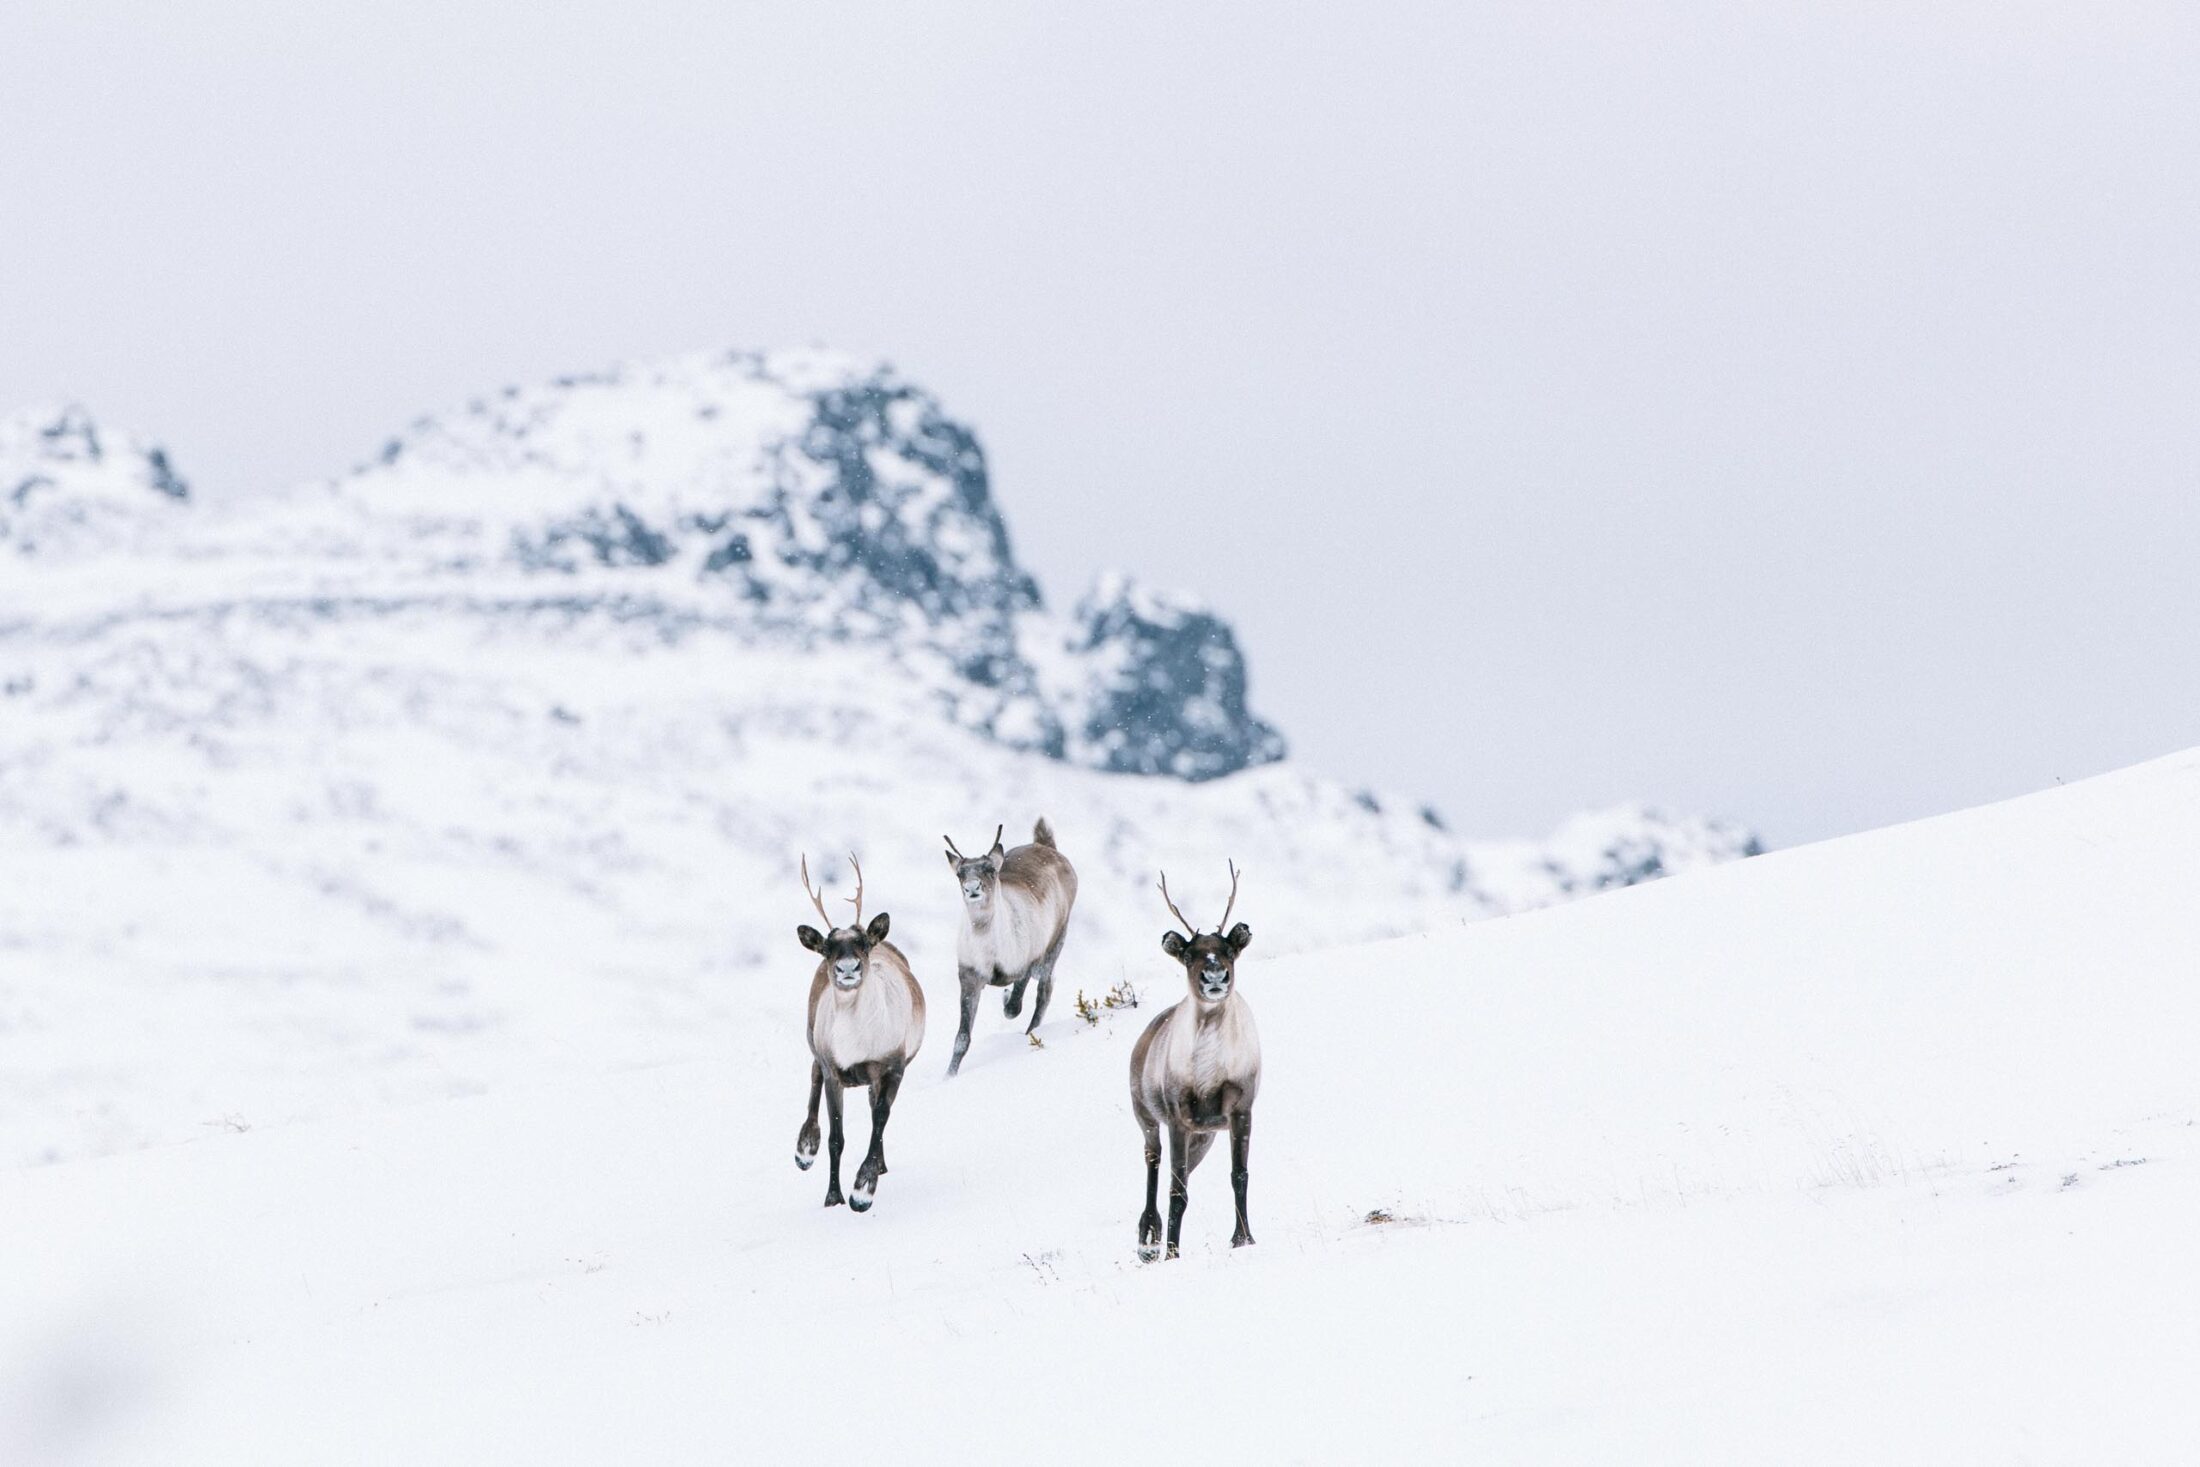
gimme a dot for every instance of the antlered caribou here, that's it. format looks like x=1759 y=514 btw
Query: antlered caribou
x=1196 y=1070
x=866 y=1023
x=1016 y=907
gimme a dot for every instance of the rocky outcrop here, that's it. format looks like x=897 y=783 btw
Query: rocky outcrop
x=65 y=486
x=1630 y=844
x=1165 y=687
x=816 y=493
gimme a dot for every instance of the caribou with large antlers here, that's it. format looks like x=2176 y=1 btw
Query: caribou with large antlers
x=1015 y=914
x=866 y=1023
x=1196 y=1070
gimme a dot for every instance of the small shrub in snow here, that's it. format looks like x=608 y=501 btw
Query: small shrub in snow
x=1121 y=996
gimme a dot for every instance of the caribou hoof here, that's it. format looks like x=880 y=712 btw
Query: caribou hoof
x=860 y=1198
x=833 y=1198
x=1241 y=1240
x=1012 y=1004
x=805 y=1159
x=1149 y=1238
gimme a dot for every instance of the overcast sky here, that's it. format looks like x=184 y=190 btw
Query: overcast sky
x=1781 y=411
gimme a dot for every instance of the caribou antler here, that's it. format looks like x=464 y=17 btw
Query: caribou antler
x=817 y=898
x=858 y=897
x=1191 y=928
x=961 y=857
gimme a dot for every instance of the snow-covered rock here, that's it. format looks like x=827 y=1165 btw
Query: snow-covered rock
x=1629 y=844
x=1162 y=688
x=68 y=488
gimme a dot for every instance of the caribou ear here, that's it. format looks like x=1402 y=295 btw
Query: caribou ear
x=810 y=938
x=1172 y=943
x=1240 y=938
x=876 y=932
x=952 y=863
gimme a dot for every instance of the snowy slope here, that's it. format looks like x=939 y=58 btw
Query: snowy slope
x=491 y=761
x=1879 y=1150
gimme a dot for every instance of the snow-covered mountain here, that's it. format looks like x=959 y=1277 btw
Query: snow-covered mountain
x=794 y=494
x=498 y=751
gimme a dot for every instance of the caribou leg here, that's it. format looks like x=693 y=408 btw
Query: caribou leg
x=1149 y=1221
x=1241 y=1143
x=1040 y=999
x=972 y=983
x=833 y=1142
x=885 y=1083
x=1179 y=1171
x=805 y=1141
x=1012 y=1002
x=1044 y=972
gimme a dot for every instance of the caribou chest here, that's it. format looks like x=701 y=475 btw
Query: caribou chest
x=1017 y=937
x=1199 y=1055
x=872 y=1023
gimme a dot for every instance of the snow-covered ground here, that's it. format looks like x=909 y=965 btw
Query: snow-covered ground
x=1878 y=1150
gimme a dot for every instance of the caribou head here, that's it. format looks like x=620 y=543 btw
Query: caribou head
x=1209 y=959
x=980 y=878
x=846 y=950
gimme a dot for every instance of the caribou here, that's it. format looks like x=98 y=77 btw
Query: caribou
x=1015 y=914
x=1196 y=1070
x=866 y=1023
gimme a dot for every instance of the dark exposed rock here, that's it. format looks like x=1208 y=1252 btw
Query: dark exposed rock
x=619 y=537
x=1167 y=694
x=163 y=477
x=898 y=537
x=835 y=497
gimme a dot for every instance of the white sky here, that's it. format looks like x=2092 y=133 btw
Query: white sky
x=1784 y=411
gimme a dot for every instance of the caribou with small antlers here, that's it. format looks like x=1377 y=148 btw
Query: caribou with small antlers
x=866 y=1023
x=1016 y=908
x=1196 y=1070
